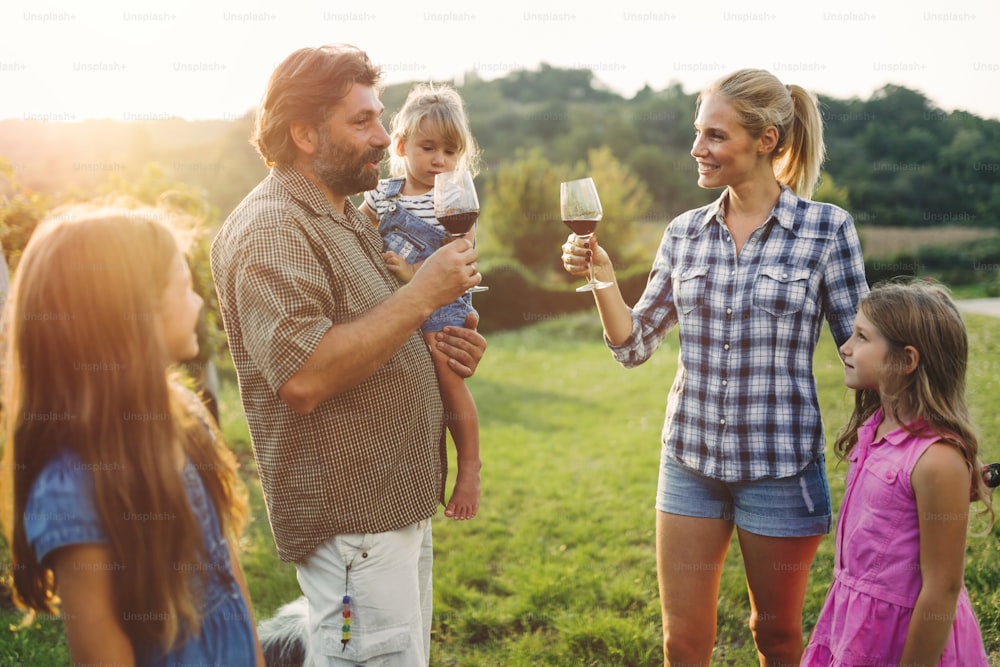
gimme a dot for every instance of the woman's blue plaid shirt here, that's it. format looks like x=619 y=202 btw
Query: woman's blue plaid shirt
x=743 y=405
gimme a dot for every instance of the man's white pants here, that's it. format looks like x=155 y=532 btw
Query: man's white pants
x=388 y=576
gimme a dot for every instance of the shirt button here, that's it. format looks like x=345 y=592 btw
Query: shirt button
x=784 y=275
x=725 y=382
x=726 y=346
x=729 y=311
x=722 y=422
x=733 y=272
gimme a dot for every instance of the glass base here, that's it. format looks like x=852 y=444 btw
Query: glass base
x=477 y=288
x=595 y=285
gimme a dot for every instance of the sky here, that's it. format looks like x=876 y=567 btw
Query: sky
x=67 y=61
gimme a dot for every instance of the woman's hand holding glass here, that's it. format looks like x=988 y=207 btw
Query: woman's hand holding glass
x=581 y=253
x=581 y=210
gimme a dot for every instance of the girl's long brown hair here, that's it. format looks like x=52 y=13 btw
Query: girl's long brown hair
x=86 y=372
x=921 y=314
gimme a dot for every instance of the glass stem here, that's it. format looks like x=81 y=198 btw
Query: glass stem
x=590 y=264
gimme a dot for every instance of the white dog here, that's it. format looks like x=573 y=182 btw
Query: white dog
x=285 y=636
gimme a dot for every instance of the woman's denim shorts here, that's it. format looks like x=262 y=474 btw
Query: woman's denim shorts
x=796 y=506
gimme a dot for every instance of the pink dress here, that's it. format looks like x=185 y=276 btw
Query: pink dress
x=877 y=563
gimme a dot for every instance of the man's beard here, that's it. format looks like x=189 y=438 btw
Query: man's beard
x=342 y=169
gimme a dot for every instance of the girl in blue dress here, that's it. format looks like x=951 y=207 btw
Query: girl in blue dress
x=126 y=506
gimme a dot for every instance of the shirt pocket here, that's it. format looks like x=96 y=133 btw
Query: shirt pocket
x=781 y=290
x=879 y=504
x=689 y=287
x=406 y=245
x=880 y=487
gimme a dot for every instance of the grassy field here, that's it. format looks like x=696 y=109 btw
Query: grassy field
x=558 y=569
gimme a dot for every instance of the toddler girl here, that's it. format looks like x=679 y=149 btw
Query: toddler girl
x=430 y=135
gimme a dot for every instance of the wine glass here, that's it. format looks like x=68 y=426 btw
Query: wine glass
x=456 y=205
x=581 y=210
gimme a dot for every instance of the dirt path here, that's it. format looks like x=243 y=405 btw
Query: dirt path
x=980 y=306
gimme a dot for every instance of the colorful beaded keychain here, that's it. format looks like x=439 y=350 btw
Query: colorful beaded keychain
x=345 y=630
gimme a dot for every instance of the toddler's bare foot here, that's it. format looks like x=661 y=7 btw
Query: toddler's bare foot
x=464 y=502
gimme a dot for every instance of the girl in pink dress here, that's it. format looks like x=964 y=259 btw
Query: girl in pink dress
x=898 y=595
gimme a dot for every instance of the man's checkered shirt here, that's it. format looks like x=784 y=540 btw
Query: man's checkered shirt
x=287 y=267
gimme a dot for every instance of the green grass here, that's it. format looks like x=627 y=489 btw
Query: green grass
x=559 y=566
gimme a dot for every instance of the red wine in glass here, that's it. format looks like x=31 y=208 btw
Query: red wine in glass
x=459 y=224
x=582 y=227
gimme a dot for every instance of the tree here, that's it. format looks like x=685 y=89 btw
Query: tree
x=625 y=200
x=21 y=210
x=521 y=215
x=828 y=191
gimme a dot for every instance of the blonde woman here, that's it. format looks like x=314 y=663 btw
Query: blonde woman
x=748 y=280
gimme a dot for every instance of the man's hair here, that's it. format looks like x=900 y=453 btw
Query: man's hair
x=303 y=89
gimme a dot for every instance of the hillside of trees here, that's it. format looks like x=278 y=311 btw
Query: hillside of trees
x=899 y=160
x=894 y=160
